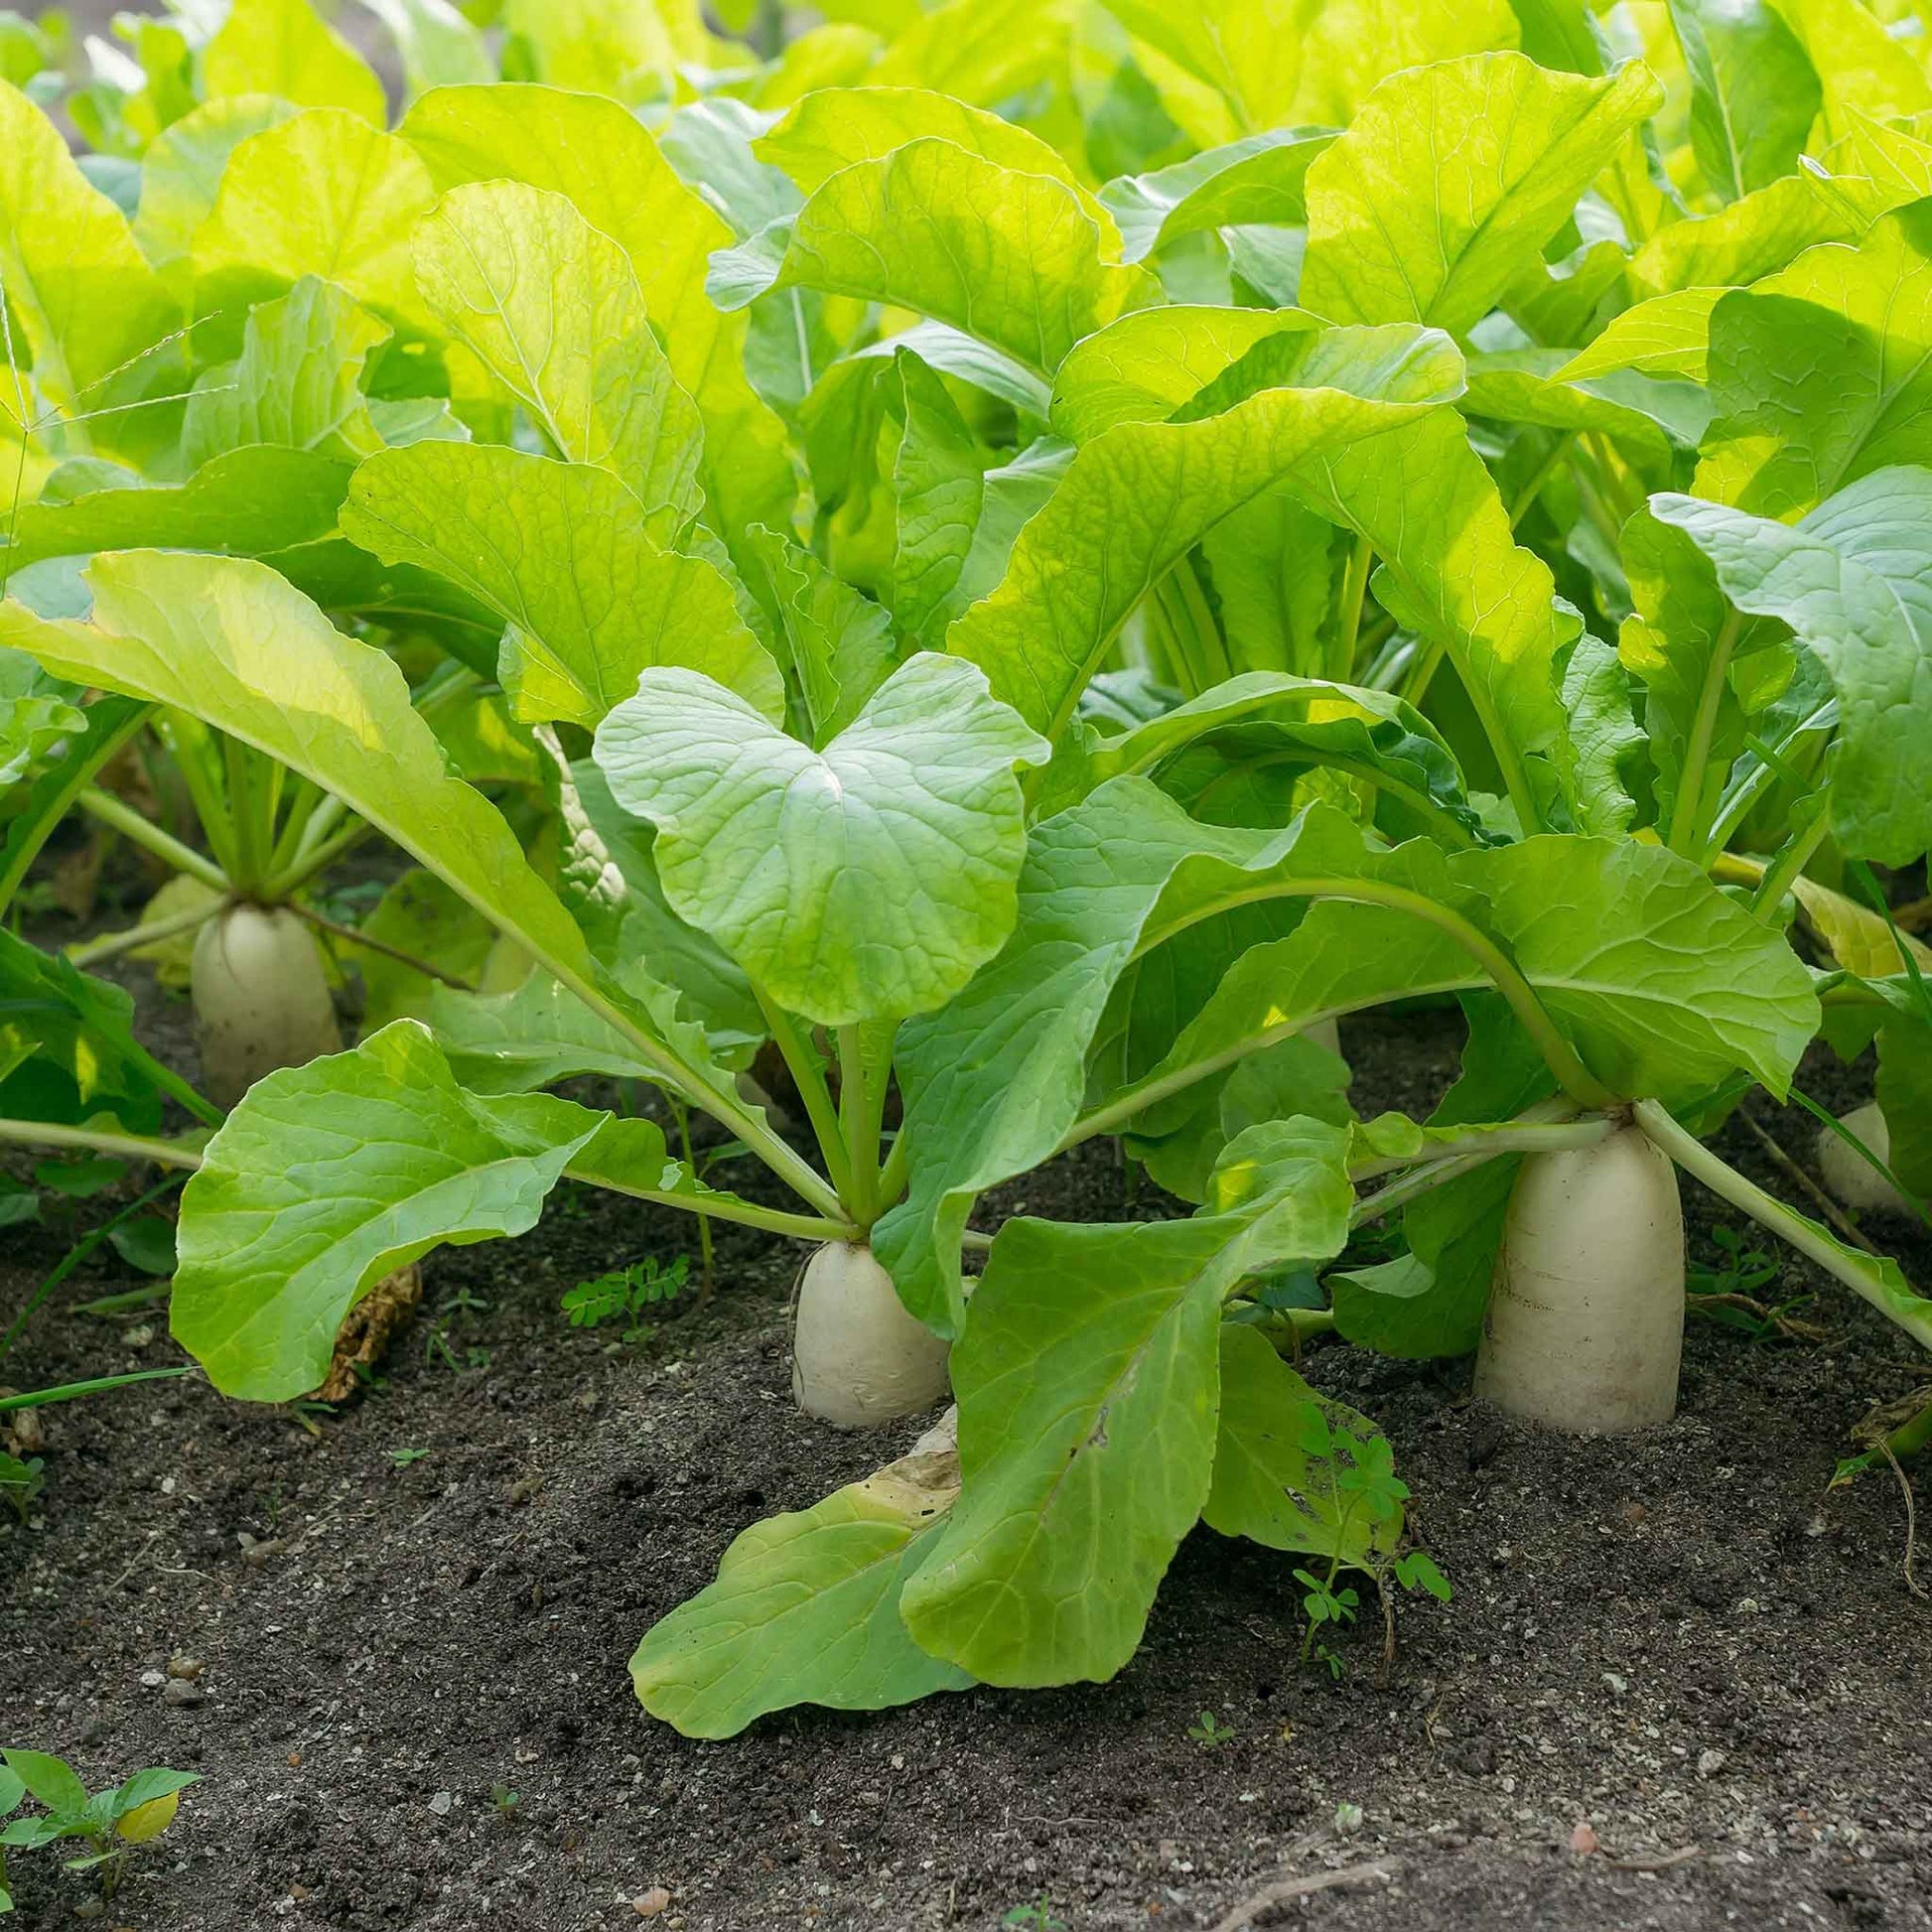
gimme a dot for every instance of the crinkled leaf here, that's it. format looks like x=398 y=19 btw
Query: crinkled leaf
x=866 y=880
x=1452 y=176
x=552 y=309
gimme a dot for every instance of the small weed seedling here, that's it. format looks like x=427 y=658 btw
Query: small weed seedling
x=504 y=1799
x=403 y=1457
x=625 y=1292
x=109 y=1822
x=1728 y=1293
x=1207 y=1730
x=21 y=1481
x=1035 y=1917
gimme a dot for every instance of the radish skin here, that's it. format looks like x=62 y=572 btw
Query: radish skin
x=261 y=998
x=1585 y=1322
x=1325 y=1033
x=1849 y=1176
x=857 y=1357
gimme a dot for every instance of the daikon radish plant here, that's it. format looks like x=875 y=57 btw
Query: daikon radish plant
x=1031 y=637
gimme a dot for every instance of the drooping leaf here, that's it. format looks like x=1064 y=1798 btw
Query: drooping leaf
x=1450 y=178
x=1088 y=1386
x=1854 y=580
x=805 y=1609
x=1257 y=180
x=564 y=554
x=328 y=1178
x=552 y=309
x=284 y=48
x=861 y=881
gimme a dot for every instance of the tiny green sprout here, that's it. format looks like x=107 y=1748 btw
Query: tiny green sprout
x=1207 y=1730
x=625 y=1292
x=21 y=1481
x=1417 y=1570
x=1036 y=1917
x=504 y=1799
x=402 y=1457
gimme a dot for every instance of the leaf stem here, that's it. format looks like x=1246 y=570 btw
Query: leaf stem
x=809 y=1077
x=124 y=819
x=1687 y=812
x=727 y=1207
x=350 y=936
x=109 y=944
x=131 y=1147
x=1912 y=1312
x=1354 y=591
x=1783 y=871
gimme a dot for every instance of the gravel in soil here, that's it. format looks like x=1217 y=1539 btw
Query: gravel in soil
x=1679 y=1648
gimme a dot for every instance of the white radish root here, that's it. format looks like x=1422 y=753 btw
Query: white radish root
x=261 y=1000
x=1852 y=1179
x=857 y=1357
x=1325 y=1033
x=1585 y=1322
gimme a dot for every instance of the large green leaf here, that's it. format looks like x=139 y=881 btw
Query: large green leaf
x=552 y=309
x=603 y=159
x=1823 y=372
x=1088 y=1387
x=324 y=194
x=1854 y=580
x=1863 y=68
x=326 y=1178
x=181 y=173
x=939 y=490
x=1272 y=1481
x=1752 y=238
x=995 y=1081
x=298 y=382
x=1754 y=94
x=1014 y=259
x=866 y=880
x=564 y=554
x=284 y=48
x=1259 y=178
x=1450 y=178
x=78 y=289
x=805 y=1609
x=1136 y=497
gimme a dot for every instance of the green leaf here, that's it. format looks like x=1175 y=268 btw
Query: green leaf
x=805 y=1609
x=50 y=1779
x=1450 y=177
x=1822 y=373
x=1851 y=579
x=838 y=645
x=1270 y=1485
x=328 y=1178
x=1136 y=497
x=1863 y=68
x=181 y=173
x=1904 y=1094
x=440 y=47
x=1753 y=94
x=564 y=554
x=231 y=642
x=298 y=383
x=1525 y=385
x=1752 y=238
x=629 y=48
x=325 y=194
x=1088 y=1382
x=284 y=48
x=836 y=129
x=1257 y=180
x=862 y=881
x=552 y=309
x=1601 y=740
x=81 y=293
x=1670 y=334
x=940 y=492
x=1014 y=259
x=251 y=502
x=603 y=159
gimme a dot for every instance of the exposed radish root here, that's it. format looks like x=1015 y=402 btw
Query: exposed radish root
x=261 y=998
x=1325 y=1032
x=1585 y=1322
x=1849 y=1176
x=857 y=1357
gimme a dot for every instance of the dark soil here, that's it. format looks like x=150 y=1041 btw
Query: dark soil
x=1680 y=1639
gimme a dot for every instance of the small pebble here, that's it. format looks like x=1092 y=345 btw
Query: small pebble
x=183 y=1693
x=1710 y=1762
x=139 y=1337
x=183 y=1666
x=647 y=1904
x=1582 y=1840
x=442 y=1803
x=153 y=1679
